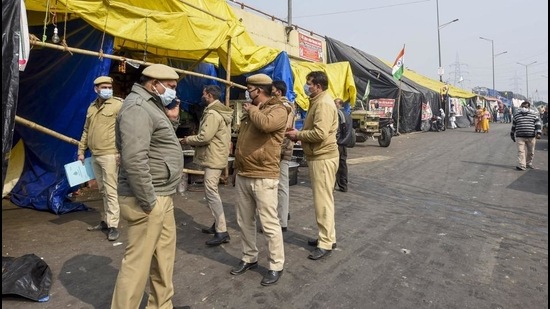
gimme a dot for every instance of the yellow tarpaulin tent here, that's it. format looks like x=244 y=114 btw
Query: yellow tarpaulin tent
x=184 y=29
x=340 y=79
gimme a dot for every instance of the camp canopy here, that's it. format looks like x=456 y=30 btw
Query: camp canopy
x=191 y=29
x=338 y=74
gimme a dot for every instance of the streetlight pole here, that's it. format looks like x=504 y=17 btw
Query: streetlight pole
x=492 y=57
x=527 y=76
x=440 y=69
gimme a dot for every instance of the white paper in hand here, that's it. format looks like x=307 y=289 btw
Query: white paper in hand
x=78 y=173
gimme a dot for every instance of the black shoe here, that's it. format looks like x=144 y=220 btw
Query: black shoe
x=319 y=253
x=218 y=239
x=243 y=267
x=113 y=234
x=315 y=242
x=271 y=277
x=284 y=228
x=101 y=226
x=210 y=230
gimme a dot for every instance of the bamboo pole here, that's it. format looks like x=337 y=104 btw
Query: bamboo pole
x=119 y=58
x=227 y=95
x=35 y=126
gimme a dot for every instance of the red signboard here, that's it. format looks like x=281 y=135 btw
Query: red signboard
x=310 y=48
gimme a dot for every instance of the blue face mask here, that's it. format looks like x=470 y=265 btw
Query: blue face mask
x=168 y=96
x=105 y=94
x=306 y=90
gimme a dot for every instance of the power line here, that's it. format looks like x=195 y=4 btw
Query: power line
x=361 y=10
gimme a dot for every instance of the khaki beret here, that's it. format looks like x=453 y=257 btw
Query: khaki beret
x=103 y=80
x=160 y=71
x=259 y=79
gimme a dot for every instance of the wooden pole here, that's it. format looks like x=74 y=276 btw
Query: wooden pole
x=119 y=58
x=45 y=130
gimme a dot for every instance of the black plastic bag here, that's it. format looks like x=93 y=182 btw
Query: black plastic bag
x=27 y=276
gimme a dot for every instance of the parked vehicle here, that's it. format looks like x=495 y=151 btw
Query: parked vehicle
x=436 y=124
x=371 y=125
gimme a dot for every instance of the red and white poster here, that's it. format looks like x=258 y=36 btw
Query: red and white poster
x=310 y=48
x=384 y=107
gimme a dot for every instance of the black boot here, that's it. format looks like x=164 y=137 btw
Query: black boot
x=218 y=239
x=210 y=230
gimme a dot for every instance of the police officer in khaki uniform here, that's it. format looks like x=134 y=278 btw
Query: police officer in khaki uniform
x=150 y=170
x=99 y=136
x=211 y=152
x=318 y=138
x=257 y=162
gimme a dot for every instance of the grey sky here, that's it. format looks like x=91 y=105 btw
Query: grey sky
x=380 y=28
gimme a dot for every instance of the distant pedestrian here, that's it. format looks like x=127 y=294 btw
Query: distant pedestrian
x=485 y=118
x=526 y=129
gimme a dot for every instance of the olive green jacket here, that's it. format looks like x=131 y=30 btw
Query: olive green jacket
x=214 y=137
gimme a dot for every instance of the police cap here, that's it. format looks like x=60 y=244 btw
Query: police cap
x=103 y=80
x=259 y=80
x=160 y=71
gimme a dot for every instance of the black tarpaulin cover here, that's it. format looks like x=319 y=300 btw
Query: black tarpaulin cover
x=27 y=276
x=10 y=75
x=366 y=67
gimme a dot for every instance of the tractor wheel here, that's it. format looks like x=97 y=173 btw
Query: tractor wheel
x=384 y=139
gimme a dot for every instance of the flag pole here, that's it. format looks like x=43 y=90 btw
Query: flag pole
x=398 y=107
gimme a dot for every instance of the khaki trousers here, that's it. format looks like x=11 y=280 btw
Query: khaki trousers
x=259 y=195
x=283 y=197
x=323 y=177
x=106 y=173
x=526 y=150
x=212 y=195
x=150 y=253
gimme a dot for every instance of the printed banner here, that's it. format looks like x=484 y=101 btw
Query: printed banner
x=310 y=48
x=384 y=107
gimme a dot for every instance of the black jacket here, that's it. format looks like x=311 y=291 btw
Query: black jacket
x=345 y=136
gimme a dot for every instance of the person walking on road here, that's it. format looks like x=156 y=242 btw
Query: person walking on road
x=526 y=129
x=211 y=152
x=150 y=171
x=99 y=136
x=257 y=160
x=318 y=138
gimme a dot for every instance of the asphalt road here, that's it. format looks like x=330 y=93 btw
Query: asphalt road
x=436 y=220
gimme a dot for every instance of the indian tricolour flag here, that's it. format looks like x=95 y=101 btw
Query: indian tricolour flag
x=397 y=69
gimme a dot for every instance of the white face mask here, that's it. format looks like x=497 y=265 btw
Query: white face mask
x=168 y=96
x=524 y=110
x=247 y=96
x=105 y=94
x=307 y=90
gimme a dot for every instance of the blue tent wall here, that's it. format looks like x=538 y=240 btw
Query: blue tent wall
x=55 y=91
x=278 y=69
